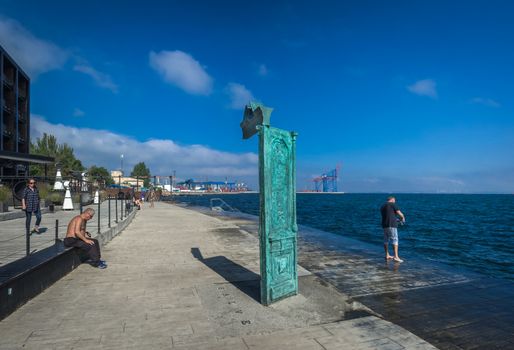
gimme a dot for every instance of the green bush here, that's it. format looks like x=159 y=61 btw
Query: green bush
x=44 y=191
x=5 y=193
x=75 y=198
x=56 y=198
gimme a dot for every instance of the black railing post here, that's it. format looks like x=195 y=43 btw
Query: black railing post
x=99 y=203
x=116 y=204
x=109 y=211
x=81 y=204
x=122 y=204
x=27 y=240
x=56 y=230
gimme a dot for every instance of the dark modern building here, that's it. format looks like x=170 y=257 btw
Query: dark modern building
x=15 y=120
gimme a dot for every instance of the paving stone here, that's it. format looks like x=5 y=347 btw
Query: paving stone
x=158 y=293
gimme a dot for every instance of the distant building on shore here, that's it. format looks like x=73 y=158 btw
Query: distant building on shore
x=211 y=186
x=185 y=186
x=120 y=179
x=15 y=121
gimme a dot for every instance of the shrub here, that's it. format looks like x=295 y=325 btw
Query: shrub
x=5 y=193
x=44 y=191
x=75 y=198
x=56 y=198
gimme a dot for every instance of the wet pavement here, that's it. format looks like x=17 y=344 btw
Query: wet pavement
x=448 y=307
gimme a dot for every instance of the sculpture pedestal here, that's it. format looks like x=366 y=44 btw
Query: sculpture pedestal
x=278 y=228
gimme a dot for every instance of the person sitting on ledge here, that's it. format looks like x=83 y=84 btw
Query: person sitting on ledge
x=77 y=236
x=137 y=203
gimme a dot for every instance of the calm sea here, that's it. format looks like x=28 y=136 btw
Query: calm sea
x=470 y=231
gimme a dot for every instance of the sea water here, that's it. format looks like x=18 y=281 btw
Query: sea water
x=474 y=231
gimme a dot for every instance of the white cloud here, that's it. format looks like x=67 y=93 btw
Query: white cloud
x=101 y=79
x=239 y=95
x=181 y=69
x=77 y=112
x=263 y=70
x=486 y=102
x=426 y=87
x=103 y=148
x=35 y=56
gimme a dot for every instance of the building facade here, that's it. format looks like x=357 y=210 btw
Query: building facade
x=15 y=120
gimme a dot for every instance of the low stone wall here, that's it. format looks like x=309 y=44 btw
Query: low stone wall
x=25 y=278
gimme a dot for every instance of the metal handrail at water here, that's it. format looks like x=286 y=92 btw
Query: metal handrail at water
x=218 y=204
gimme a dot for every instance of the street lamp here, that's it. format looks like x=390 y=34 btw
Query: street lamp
x=121 y=157
x=58 y=185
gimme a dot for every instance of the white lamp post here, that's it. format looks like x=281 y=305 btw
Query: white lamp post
x=58 y=185
x=68 y=203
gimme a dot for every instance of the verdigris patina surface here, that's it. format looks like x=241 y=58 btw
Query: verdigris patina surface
x=277 y=181
x=255 y=114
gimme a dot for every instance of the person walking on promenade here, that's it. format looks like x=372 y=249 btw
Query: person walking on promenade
x=30 y=203
x=77 y=236
x=152 y=198
x=390 y=213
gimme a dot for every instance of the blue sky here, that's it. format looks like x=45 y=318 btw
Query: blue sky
x=408 y=96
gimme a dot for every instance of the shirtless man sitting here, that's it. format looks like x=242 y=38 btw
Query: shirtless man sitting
x=77 y=236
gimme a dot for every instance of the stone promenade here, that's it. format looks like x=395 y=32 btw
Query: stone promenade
x=178 y=279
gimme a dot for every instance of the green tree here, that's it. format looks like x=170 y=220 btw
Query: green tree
x=47 y=145
x=141 y=170
x=95 y=172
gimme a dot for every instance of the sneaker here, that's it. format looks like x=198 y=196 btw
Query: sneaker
x=100 y=263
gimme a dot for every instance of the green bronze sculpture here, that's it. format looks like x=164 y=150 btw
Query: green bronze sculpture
x=277 y=226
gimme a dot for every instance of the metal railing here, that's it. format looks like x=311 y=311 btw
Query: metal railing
x=77 y=186
x=15 y=245
x=219 y=204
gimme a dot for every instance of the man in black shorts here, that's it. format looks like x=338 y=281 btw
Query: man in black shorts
x=78 y=237
x=390 y=213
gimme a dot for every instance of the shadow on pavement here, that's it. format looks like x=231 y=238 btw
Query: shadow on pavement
x=245 y=280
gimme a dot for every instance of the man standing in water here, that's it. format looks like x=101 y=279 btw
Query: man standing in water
x=78 y=237
x=390 y=212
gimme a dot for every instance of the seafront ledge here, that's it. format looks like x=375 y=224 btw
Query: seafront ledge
x=184 y=280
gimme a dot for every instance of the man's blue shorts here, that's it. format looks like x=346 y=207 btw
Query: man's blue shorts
x=391 y=234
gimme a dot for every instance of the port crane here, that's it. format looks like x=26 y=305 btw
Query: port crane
x=327 y=182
